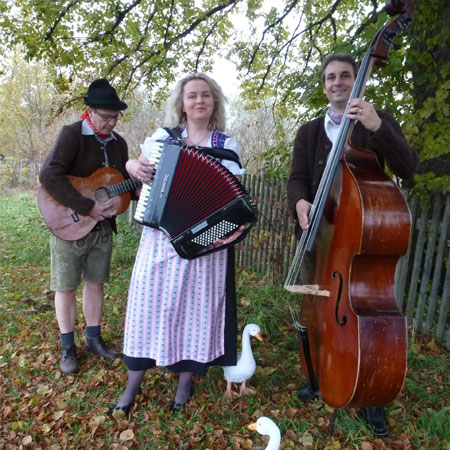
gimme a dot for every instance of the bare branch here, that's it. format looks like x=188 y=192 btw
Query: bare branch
x=269 y=27
x=202 y=48
x=372 y=18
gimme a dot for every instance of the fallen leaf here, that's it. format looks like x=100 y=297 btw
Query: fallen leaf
x=27 y=440
x=57 y=415
x=366 y=446
x=127 y=435
x=307 y=439
x=47 y=427
x=332 y=446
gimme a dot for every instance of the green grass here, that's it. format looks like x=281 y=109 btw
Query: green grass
x=44 y=409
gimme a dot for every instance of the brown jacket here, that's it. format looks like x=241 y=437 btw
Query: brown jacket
x=312 y=146
x=79 y=155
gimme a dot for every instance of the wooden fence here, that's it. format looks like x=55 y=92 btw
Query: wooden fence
x=423 y=275
x=422 y=285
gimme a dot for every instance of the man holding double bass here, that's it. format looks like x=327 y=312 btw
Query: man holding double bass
x=81 y=149
x=374 y=130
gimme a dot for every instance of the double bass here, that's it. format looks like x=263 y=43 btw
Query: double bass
x=353 y=337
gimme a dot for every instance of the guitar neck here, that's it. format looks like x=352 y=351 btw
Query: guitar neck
x=120 y=188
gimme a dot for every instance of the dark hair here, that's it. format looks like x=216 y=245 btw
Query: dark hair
x=342 y=57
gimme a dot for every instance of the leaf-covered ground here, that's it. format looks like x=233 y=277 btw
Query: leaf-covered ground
x=43 y=409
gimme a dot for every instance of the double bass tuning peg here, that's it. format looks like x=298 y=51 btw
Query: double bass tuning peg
x=394 y=7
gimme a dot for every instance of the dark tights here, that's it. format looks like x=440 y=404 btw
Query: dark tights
x=135 y=378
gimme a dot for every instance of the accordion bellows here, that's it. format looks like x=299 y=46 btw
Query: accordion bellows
x=193 y=199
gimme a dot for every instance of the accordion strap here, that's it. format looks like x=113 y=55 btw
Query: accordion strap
x=220 y=153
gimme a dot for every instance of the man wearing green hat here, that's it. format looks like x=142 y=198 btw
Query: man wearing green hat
x=80 y=149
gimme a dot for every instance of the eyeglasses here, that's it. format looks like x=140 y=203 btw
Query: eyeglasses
x=108 y=118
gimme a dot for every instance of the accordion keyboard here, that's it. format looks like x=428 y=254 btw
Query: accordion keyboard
x=144 y=196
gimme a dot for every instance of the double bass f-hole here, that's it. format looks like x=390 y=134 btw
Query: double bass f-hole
x=338 y=299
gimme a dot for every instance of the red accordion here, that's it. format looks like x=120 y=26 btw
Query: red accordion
x=193 y=199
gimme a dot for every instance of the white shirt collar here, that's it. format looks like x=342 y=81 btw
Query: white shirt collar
x=86 y=130
x=331 y=128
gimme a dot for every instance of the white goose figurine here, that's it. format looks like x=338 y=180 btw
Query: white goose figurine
x=246 y=365
x=267 y=427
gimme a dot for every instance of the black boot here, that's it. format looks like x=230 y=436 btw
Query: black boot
x=306 y=394
x=69 y=362
x=374 y=416
x=98 y=346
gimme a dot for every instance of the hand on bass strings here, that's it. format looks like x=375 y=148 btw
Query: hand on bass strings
x=303 y=208
x=364 y=112
x=141 y=169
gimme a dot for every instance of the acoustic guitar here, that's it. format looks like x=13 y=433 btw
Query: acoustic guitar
x=102 y=185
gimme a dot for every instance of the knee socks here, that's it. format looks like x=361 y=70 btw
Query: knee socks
x=67 y=339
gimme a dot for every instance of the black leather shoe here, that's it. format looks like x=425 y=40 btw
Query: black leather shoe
x=174 y=406
x=374 y=416
x=306 y=394
x=69 y=362
x=97 y=346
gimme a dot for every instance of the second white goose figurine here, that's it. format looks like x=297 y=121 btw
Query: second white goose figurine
x=246 y=365
x=267 y=427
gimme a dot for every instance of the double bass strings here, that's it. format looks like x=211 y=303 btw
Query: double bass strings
x=308 y=236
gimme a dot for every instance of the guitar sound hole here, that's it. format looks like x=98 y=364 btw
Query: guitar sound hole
x=101 y=195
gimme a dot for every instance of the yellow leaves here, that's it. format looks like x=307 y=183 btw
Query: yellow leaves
x=57 y=415
x=332 y=446
x=241 y=442
x=34 y=401
x=22 y=361
x=19 y=425
x=118 y=415
x=100 y=374
x=96 y=422
x=127 y=435
x=247 y=444
x=431 y=345
x=264 y=371
x=307 y=439
x=47 y=427
x=43 y=389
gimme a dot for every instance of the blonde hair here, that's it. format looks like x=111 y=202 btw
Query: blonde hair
x=175 y=117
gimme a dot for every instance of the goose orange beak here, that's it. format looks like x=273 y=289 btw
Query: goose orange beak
x=252 y=426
